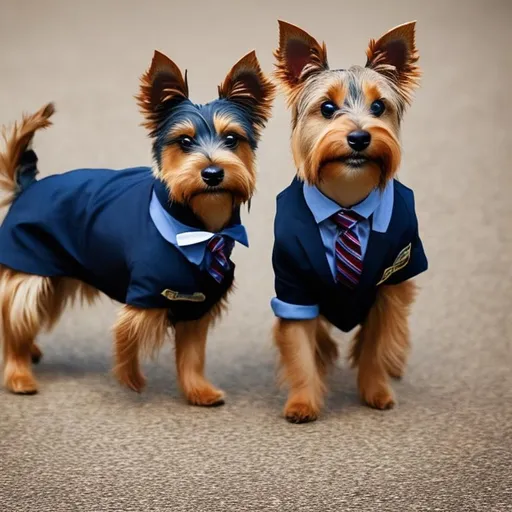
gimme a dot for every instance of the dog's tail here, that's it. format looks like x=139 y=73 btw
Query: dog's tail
x=18 y=163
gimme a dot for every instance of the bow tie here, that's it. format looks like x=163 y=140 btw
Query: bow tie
x=192 y=239
x=218 y=249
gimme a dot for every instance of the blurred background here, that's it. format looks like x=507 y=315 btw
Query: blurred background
x=84 y=443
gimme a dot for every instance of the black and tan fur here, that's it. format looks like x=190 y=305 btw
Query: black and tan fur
x=31 y=303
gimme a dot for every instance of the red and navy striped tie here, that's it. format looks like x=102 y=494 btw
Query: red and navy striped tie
x=219 y=262
x=349 y=261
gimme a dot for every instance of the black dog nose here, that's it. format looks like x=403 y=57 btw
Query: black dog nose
x=359 y=140
x=212 y=176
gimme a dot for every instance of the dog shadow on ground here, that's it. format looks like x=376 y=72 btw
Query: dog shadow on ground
x=251 y=380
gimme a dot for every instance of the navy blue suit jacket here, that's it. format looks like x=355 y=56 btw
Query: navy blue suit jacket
x=94 y=225
x=302 y=273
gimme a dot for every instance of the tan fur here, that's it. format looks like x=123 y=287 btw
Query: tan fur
x=142 y=332
x=137 y=330
x=381 y=346
x=394 y=55
x=245 y=83
x=335 y=92
x=16 y=143
x=190 y=359
x=344 y=186
x=214 y=210
x=22 y=305
x=162 y=82
x=297 y=346
x=320 y=151
x=317 y=141
x=307 y=352
x=28 y=305
x=182 y=129
x=326 y=348
x=182 y=174
x=392 y=307
x=224 y=125
x=298 y=57
x=371 y=92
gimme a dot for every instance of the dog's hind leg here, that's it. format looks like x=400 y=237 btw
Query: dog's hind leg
x=65 y=291
x=25 y=307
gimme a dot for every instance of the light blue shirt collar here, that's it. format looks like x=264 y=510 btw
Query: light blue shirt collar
x=170 y=228
x=379 y=203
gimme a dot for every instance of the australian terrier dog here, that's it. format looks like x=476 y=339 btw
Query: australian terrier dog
x=346 y=233
x=156 y=239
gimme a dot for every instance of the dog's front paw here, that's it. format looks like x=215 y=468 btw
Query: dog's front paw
x=21 y=383
x=300 y=411
x=380 y=398
x=206 y=396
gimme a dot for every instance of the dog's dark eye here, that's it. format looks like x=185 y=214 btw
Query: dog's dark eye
x=186 y=143
x=377 y=108
x=328 y=109
x=231 y=141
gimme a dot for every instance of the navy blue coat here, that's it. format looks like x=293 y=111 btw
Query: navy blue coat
x=94 y=225
x=302 y=273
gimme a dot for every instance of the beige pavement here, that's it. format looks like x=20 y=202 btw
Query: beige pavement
x=86 y=444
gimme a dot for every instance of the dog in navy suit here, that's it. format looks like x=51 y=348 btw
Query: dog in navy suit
x=346 y=234
x=156 y=239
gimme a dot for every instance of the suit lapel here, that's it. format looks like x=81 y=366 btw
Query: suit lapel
x=376 y=251
x=311 y=240
x=312 y=244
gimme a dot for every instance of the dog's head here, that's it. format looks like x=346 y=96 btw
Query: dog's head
x=346 y=122
x=205 y=154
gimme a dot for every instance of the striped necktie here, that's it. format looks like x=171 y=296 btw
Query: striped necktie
x=220 y=250
x=349 y=261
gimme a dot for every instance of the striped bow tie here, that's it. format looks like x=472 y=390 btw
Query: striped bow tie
x=220 y=250
x=349 y=261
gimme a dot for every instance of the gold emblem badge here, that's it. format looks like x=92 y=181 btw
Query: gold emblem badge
x=400 y=262
x=194 y=297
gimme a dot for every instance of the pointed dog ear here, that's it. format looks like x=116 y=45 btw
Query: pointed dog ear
x=246 y=85
x=162 y=88
x=395 y=56
x=298 y=57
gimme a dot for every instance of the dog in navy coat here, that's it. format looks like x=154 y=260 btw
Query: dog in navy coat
x=346 y=232
x=156 y=239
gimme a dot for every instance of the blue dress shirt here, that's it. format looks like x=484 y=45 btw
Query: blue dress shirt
x=379 y=203
x=192 y=247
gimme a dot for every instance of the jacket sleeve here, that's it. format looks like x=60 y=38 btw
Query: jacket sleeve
x=294 y=299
